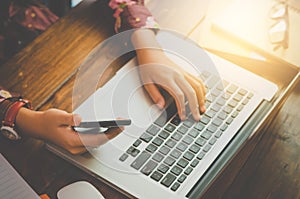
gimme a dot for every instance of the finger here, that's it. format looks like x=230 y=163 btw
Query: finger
x=199 y=87
x=155 y=95
x=178 y=96
x=191 y=96
x=77 y=150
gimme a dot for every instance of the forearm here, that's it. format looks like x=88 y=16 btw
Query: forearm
x=146 y=45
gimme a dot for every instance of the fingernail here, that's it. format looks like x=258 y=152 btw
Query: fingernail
x=197 y=117
x=202 y=109
x=160 y=105
x=182 y=117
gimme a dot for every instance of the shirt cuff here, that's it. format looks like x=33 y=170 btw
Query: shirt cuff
x=131 y=14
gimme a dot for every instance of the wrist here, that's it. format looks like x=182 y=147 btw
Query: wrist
x=28 y=122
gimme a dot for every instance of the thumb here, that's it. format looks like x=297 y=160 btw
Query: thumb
x=155 y=95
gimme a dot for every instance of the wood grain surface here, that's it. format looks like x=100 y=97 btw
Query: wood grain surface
x=45 y=72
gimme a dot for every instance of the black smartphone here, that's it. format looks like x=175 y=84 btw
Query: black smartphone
x=100 y=126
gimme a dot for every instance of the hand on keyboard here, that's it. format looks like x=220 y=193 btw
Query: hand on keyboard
x=158 y=70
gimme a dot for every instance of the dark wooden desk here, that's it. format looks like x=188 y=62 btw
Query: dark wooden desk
x=45 y=72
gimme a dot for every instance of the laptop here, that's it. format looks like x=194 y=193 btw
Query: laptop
x=159 y=156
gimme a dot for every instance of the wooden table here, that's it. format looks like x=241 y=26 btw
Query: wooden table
x=45 y=72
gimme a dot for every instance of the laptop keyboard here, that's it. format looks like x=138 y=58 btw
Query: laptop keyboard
x=172 y=148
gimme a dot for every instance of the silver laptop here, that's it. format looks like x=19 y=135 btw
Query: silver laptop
x=159 y=156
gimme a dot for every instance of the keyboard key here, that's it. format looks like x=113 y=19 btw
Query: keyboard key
x=137 y=143
x=164 y=150
x=218 y=134
x=232 y=103
x=176 y=136
x=169 y=161
x=151 y=148
x=182 y=178
x=123 y=157
x=182 y=162
x=226 y=96
x=206 y=135
x=201 y=155
x=182 y=129
x=153 y=130
x=235 y=114
x=221 y=101
x=216 y=107
x=224 y=127
x=163 y=168
x=176 y=120
x=176 y=170
x=171 y=110
x=188 y=140
x=250 y=95
x=175 y=186
x=199 y=126
x=212 y=128
x=210 y=113
x=242 y=92
x=157 y=141
x=194 y=148
x=206 y=148
x=161 y=120
x=188 y=155
x=220 y=86
x=146 y=137
x=229 y=120
x=227 y=109
x=212 y=141
x=216 y=92
x=168 y=179
x=170 y=128
x=170 y=143
x=149 y=167
x=217 y=122
x=140 y=160
x=238 y=97
x=156 y=176
x=245 y=101
x=133 y=151
x=205 y=120
x=188 y=123
x=163 y=134
x=188 y=170
x=240 y=107
x=200 y=141
x=181 y=146
x=175 y=154
x=222 y=115
x=194 y=163
x=232 y=88
x=193 y=133
x=158 y=157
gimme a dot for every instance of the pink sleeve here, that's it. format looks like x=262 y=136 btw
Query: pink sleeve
x=132 y=14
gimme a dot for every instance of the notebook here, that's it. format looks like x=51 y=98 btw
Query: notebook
x=12 y=185
x=159 y=156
